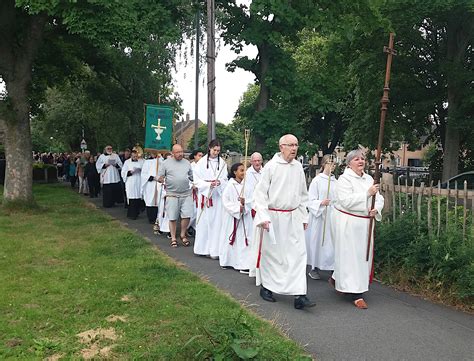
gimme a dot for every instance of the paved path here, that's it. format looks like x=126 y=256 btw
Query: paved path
x=396 y=326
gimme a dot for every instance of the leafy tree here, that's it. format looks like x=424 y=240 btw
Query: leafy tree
x=24 y=24
x=231 y=139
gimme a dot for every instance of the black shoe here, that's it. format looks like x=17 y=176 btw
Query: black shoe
x=302 y=302
x=190 y=232
x=168 y=235
x=267 y=295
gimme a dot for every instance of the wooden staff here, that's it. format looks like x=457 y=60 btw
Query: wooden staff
x=330 y=162
x=383 y=112
x=246 y=137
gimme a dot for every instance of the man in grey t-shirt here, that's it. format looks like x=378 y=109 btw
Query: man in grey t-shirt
x=177 y=174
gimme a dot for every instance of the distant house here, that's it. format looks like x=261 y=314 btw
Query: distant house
x=184 y=131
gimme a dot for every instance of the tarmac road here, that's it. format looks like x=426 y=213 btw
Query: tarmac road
x=396 y=326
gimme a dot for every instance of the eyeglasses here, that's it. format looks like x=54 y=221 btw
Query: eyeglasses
x=291 y=145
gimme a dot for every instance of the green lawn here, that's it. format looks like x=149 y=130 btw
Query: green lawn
x=68 y=268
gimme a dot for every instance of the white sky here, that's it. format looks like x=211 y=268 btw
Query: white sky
x=229 y=86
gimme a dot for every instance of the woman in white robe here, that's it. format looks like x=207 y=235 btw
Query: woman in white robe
x=210 y=178
x=236 y=223
x=151 y=187
x=351 y=218
x=131 y=175
x=320 y=206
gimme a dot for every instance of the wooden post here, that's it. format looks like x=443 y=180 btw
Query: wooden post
x=420 y=198
x=439 y=207
x=407 y=203
x=447 y=207
x=399 y=196
x=430 y=196
x=456 y=195
x=211 y=71
x=464 y=217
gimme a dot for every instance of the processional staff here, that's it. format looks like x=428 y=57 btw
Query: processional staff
x=383 y=112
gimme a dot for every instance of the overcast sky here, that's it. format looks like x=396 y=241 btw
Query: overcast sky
x=229 y=86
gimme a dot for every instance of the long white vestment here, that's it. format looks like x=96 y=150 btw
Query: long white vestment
x=132 y=183
x=352 y=271
x=319 y=255
x=110 y=174
x=236 y=228
x=151 y=189
x=282 y=187
x=208 y=225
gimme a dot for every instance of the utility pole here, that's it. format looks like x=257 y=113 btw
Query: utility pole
x=211 y=71
x=196 y=102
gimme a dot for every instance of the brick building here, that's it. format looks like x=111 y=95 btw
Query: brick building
x=184 y=131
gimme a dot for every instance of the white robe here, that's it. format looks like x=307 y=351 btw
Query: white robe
x=132 y=183
x=352 y=271
x=162 y=216
x=283 y=249
x=192 y=221
x=238 y=254
x=151 y=190
x=319 y=255
x=208 y=225
x=252 y=177
x=111 y=174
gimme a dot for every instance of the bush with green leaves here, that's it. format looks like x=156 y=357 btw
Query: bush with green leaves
x=409 y=255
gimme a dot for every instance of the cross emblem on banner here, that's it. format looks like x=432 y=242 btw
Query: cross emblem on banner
x=158 y=129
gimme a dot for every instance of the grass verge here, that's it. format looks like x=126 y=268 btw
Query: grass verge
x=74 y=283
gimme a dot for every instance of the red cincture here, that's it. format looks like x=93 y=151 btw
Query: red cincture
x=254 y=212
x=234 y=233
x=195 y=197
x=281 y=210
x=209 y=203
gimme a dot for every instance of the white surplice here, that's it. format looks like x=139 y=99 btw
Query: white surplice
x=133 y=182
x=111 y=173
x=282 y=187
x=237 y=227
x=320 y=255
x=252 y=177
x=208 y=225
x=151 y=189
x=352 y=271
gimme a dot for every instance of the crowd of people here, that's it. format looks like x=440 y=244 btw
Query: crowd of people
x=262 y=221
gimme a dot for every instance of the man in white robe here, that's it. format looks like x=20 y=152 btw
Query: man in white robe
x=350 y=221
x=281 y=218
x=131 y=175
x=151 y=189
x=319 y=238
x=108 y=166
x=253 y=175
x=210 y=178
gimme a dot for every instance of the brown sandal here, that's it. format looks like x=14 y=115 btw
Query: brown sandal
x=360 y=304
x=173 y=243
x=185 y=242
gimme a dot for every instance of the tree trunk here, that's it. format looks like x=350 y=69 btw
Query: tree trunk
x=460 y=30
x=21 y=37
x=19 y=168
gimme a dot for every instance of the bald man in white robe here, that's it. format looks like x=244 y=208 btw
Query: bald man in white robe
x=281 y=217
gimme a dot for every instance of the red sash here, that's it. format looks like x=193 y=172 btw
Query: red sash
x=354 y=215
x=195 y=197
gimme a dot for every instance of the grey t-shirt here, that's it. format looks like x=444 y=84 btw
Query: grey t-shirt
x=178 y=174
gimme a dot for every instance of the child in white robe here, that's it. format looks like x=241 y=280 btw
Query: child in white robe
x=236 y=223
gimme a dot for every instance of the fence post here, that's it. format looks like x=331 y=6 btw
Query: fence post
x=447 y=206
x=465 y=211
x=439 y=207
x=420 y=198
x=430 y=196
x=456 y=195
x=407 y=204
x=399 y=197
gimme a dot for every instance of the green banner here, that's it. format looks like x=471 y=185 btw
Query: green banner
x=159 y=127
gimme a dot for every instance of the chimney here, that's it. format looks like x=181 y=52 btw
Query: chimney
x=187 y=117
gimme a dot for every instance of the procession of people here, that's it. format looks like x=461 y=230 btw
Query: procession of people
x=262 y=221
